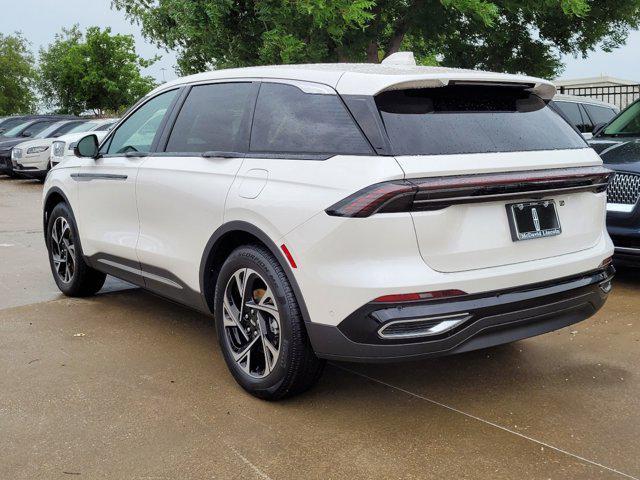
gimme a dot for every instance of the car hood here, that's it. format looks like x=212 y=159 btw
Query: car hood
x=43 y=142
x=9 y=143
x=623 y=156
x=74 y=137
x=600 y=144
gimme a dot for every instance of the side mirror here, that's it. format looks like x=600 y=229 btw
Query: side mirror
x=87 y=147
x=598 y=127
x=26 y=133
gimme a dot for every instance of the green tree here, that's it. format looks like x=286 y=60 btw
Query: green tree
x=507 y=35
x=96 y=71
x=17 y=75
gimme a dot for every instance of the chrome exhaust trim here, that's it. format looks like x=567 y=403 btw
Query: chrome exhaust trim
x=422 y=327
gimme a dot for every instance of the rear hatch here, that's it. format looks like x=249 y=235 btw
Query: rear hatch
x=501 y=177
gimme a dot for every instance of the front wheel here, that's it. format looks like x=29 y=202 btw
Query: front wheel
x=71 y=273
x=260 y=328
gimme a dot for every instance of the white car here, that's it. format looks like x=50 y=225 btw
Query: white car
x=586 y=114
x=346 y=211
x=32 y=158
x=62 y=147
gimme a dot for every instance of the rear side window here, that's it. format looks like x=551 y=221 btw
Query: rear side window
x=463 y=119
x=288 y=120
x=213 y=118
x=599 y=114
x=572 y=112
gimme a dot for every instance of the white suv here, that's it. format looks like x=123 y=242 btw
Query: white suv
x=352 y=212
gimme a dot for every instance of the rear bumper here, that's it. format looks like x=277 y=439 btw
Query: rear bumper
x=491 y=319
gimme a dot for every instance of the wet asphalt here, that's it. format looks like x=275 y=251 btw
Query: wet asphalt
x=126 y=385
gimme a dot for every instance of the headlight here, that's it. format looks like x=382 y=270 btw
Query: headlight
x=57 y=149
x=16 y=154
x=41 y=149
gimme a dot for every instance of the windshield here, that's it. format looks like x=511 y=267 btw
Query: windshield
x=625 y=124
x=15 y=130
x=84 y=127
x=472 y=119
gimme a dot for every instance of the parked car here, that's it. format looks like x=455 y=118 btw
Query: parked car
x=32 y=128
x=619 y=146
x=584 y=112
x=63 y=147
x=352 y=212
x=31 y=159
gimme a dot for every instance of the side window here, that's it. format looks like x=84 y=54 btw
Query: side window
x=67 y=127
x=587 y=124
x=571 y=112
x=214 y=117
x=35 y=128
x=288 y=120
x=137 y=132
x=599 y=114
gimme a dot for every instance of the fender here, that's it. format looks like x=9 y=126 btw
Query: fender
x=45 y=220
x=240 y=226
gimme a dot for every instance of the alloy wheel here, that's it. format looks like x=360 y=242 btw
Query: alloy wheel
x=63 y=250
x=251 y=322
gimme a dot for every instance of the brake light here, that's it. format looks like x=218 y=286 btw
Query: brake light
x=412 y=297
x=435 y=193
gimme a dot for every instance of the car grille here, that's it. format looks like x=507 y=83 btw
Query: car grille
x=624 y=189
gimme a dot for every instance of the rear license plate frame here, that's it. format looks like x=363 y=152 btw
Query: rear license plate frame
x=533 y=220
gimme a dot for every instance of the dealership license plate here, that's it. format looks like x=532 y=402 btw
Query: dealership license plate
x=529 y=220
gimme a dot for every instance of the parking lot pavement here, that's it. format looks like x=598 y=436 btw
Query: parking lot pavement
x=128 y=386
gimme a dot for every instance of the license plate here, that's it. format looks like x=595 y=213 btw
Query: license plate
x=531 y=220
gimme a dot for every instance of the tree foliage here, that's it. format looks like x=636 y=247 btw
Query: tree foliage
x=507 y=35
x=96 y=71
x=17 y=75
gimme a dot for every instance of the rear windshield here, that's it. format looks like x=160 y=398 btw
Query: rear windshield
x=472 y=119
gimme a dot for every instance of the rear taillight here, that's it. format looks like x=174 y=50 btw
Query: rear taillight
x=435 y=193
x=414 y=297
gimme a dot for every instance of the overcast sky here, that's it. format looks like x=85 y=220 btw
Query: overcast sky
x=40 y=20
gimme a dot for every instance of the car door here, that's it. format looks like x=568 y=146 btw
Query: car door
x=108 y=215
x=181 y=191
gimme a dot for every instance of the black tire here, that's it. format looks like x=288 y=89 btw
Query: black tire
x=297 y=368
x=84 y=280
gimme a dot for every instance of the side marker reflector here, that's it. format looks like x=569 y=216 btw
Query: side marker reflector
x=287 y=254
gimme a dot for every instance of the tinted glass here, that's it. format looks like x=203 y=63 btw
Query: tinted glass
x=12 y=132
x=37 y=128
x=137 y=132
x=627 y=123
x=83 y=127
x=104 y=127
x=213 y=118
x=8 y=124
x=599 y=114
x=571 y=111
x=288 y=120
x=67 y=128
x=457 y=119
x=587 y=124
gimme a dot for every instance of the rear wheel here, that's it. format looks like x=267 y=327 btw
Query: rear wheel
x=71 y=273
x=260 y=328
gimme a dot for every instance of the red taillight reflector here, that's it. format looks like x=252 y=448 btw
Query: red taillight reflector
x=413 y=297
x=287 y=254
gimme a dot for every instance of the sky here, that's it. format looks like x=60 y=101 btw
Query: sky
x=40 y=20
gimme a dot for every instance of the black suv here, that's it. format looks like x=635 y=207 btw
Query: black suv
x=618 y=143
